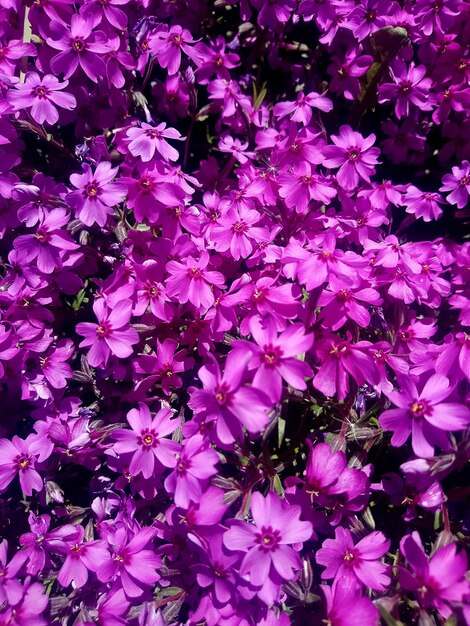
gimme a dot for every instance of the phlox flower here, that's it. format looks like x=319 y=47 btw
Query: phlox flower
x=458 y=183
x=274 y=356
x=438 y=582
x=195 y=465
x=79 y=46
x=169 y=45
x=346 y=607
x=424 y=415
x=48 y=243
x=96 y=195
x=267 y=542
x=343 y=301
x=18 y=456
x=353 y=155
x=191 y=281
x=227 y=401
x=147 y=440
x=131 y=563
x=82 y=557
x=112 y=334
x=301 y=109
x=409 y=86
x=299 y=186
x=345 y=559
x=146 y=140
x=236 y=231
x=42 y=96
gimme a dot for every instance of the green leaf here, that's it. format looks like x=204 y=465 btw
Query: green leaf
x=281 y=430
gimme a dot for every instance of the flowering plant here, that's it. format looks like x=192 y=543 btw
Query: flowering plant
x=234 y=312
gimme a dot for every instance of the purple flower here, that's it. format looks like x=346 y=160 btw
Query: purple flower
x=274 y=356
x=48 y=243
x=354 y=156
x=192 y=281
x=345 y=607
x=96 y=195
x=458 y=183
x=112 y=334
x=227 y=401
x=147 y=140
x=79 y=46
x=130 y=562
x=299 y=186
x=266 y=543
x=409 y=86
x=360 y=561
x=424 y=415
x=82 y=557
x=41 y=94
x=169 y=45
x=195 y=465
x=18 y=457
x=41 y=542
x=301 y=109
x=438 y=582
x=147 y=440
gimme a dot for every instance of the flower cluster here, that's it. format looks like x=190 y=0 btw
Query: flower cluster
x=234 y=312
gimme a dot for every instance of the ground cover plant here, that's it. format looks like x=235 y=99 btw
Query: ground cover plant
x=234 y=312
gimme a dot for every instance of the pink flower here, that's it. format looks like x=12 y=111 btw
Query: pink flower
x=96 y=193
x=195 y=465
x=425 y=205
x=274 y=356
x=191 y=281
x=147 y=440
x=147 y=140
x=18 y=456
x=458 y=183
x=409 y=86
x=227 y=401
x=82 y=557
x=346 y=608
x=169 y=45
x=41 y=94
x=236 y=231
x=359 y=561
x=130 y=562
x=301 y=110
x=266 y=543
x=343 y=302
x=339 y=360
x=48 y=243
x=79 y=46
x=354 y=156
x=424 y=415
x=112 y=334
x=299 y=186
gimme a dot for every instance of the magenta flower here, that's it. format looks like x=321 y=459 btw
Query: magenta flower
x=354 y=156
x=96 y=195
x=195 y=465
x=301 y=109
x=79 y=46
x=299 y=186
x=340 y=360
x=192 y=281
x=360 y=561
x=274 y=356
x=18 y=457
x=170 y=44
x=458 y=183
x=424 y=415
x=438 y=582
x=82 y=557
x=11 y=590
x=112 y=334
x=343 y=302
x=236 y=231
x=147 y=440
x=48 y=243
x=131 y=562
x=27 y=610
x=54 y=366
x=163 y=368
x=409 y=86
x=147 y=140
x=345 y=607
x=266 y=543
x=227 y=401
x=148 y=195
x=40 y=542
x=41 y=94
x=424 y=205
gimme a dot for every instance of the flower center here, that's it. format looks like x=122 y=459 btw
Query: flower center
x=349 y=556
x=353 y=154
x=268 y=538
x=91 y=190
x=272 y=356
x=418 y=409
x=465 y=181
x=195 y=273
x=40 y=92
x=223 y=395
x=153 y=134
x=103 y=329
x=78 y=44
x=42 y=235
x=239 y=228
